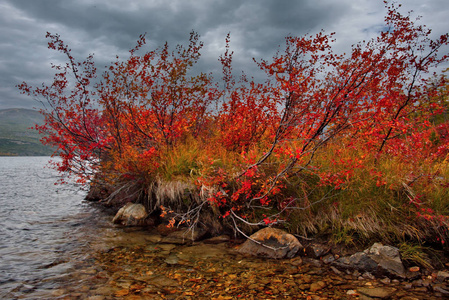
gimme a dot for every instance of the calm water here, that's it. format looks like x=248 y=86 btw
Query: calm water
x=43 y=227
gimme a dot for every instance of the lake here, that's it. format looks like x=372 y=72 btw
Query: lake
x=44 y=227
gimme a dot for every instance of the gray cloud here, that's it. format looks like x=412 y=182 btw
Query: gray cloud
x=110 y=27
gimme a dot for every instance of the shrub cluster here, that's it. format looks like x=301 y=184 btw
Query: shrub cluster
x=349 y=146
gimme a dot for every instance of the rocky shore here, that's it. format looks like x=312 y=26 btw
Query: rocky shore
x=173 y=263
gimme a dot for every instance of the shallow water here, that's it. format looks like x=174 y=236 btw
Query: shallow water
x=43 y=227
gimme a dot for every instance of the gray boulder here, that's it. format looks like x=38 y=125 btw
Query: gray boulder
x=131 y=215
x=379 y=260
x=388 y=258
x=271 y=242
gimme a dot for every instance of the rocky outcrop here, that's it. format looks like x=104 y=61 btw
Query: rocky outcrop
x=132 y=215
x=378 y=260
x=271 y=242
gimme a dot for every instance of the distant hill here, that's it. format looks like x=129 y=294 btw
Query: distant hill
x=16 y=137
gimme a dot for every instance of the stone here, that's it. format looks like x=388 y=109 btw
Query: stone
x=272 y=243
x=441 y=289
x=172 y=259
x=217 y=239
x=58 y=292
x=104 y=290
x=417 y=283
x=368 y=275
x=385 y=280
x=388 y=258
x=202 y=251
x=414 y=269
x=153 y=238
x=378 y=260
x=182 y=237
x=316 y=286
x=96 y=297
x=408 y=286
x=162 y=281
x=166 y=247
x=315 y=250
x=328 y=259
x=335 y=270
x=164 y=229
x=313 y=262
x=297 y=261
x=377 y=292
x=357 y=261
x=131 y=214
x=442 y=275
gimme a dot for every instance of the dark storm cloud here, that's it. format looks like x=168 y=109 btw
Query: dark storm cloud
x=110 y=27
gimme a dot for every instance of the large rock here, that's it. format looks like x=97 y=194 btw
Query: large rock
x=379 y=260
x=271 y=242
x=388 y=258
x=131 y=215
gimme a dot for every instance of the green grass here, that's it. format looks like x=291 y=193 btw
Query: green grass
x=414 y=253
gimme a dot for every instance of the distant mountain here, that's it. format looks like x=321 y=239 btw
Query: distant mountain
x=16 y=137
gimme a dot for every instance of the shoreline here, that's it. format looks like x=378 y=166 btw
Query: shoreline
x=209 y=270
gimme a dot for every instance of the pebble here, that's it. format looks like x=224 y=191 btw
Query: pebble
x=414 y=269
x=103 y=290
x=408 y=286
x=368 y=275
x=316 y=286
x=351 y=292
x=59 y=292
x=83 y=289
x=441 y=290
x=377 y=292
x=335 y=270
x=385 y=280
x=442 y=275
x=96 y=297
x=172 y=259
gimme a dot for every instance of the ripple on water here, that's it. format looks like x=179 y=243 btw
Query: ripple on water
x=43 y=226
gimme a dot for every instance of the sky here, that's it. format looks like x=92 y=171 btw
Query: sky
x=108 y=28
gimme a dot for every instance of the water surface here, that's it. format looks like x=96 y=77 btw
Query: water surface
x=43 y=226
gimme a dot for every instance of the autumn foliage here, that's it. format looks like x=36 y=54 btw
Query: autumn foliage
x=325 y=141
